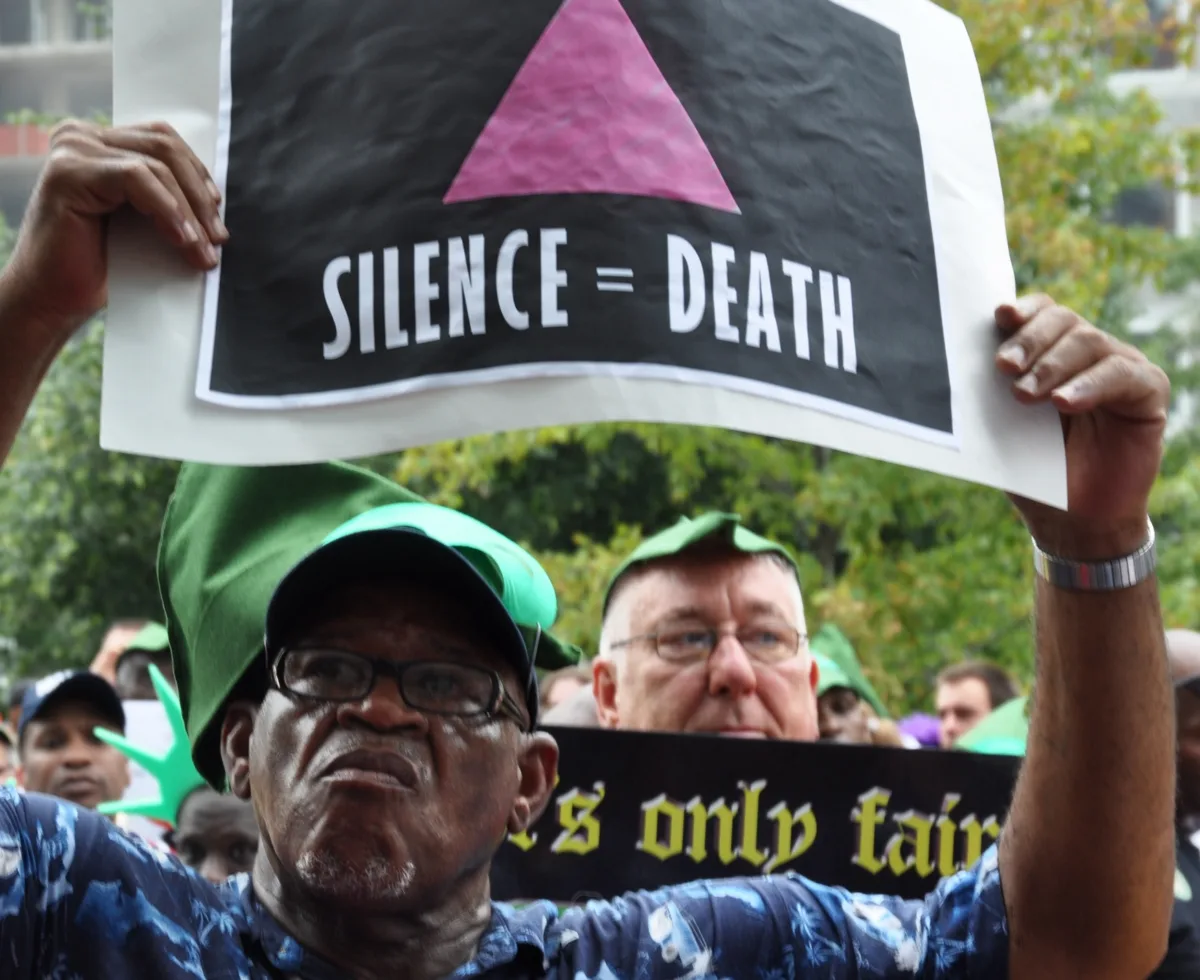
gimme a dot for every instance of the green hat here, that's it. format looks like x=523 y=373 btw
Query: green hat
x=831 y=644
x=1002 y=732
x=230 y=536
x=177 y=777
x=498 y=580
x=830 y=675
x=690 y=531
x=152 y=638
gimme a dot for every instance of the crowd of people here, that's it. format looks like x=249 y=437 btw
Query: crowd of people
x=355 y=672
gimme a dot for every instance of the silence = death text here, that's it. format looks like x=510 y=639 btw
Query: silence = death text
x=446 y=290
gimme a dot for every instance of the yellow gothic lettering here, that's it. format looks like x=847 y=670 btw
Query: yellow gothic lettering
x=651 y=841
x=575 y=811
x=785 y=824
x=975 y=831
x=946 y=830
x=725 y=815
x=869 y=814
x=749 y=850
x=915 y=829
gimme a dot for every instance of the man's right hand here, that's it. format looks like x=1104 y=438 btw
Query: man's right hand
x=58 y=274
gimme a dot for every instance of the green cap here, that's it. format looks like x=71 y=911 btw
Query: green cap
x=831 y=644
x=230 y=536
x=688 y=532
x=494 y=577
x=172 y=768
x=1002 y=732
x=830 y=675
x=152 y=638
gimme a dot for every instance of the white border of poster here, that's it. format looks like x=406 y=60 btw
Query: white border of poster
x=153 y=338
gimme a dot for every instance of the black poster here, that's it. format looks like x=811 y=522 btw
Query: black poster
x=461 y=192
x=635 y=811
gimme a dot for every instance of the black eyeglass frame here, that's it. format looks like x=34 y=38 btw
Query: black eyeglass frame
x=501 y=702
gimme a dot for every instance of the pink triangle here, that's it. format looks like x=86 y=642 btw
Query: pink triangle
x=590 y=113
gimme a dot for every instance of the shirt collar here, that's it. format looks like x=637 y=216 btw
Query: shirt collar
x=512 y=933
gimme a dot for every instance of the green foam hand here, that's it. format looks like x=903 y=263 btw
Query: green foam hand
x=173 y=768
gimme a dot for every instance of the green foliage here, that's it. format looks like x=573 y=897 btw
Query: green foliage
x=78 y=526
x=918 y=570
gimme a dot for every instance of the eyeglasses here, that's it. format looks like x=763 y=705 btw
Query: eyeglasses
x=771 y=643
x=430 y=686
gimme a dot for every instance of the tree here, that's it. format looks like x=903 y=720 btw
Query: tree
x=918 y=569
x=78 y=526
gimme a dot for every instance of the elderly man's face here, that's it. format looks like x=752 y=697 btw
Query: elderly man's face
x=427 y=799
x=730 y=693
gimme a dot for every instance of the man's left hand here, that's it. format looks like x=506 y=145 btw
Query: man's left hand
x=1113 y=404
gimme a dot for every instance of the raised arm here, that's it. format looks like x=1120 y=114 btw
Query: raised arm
x=57 y=276
x=1087 y=854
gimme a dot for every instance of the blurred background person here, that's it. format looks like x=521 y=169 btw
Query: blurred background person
x=131 y=669
x=215 y=834
x=560 y=686
x=967 y=693
x=849 y=709
x=117 y=637
x=59 y=753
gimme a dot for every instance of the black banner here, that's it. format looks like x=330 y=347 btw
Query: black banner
x=638 y=811
x=732 y=194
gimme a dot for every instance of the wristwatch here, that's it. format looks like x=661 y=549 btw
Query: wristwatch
x=1098 y=576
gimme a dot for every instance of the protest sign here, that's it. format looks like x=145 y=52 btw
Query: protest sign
x=875 y=820
x=784 y=219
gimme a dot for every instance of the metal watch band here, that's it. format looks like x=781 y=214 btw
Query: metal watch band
x=1098 y=576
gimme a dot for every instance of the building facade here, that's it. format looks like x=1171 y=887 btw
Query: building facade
x=55 y=60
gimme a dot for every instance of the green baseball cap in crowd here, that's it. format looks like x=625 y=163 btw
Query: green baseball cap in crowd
x=688 y=532
x=829 y=675
x=1004 y=731
x=231 y=536
x=152 y=638
x=831 y=644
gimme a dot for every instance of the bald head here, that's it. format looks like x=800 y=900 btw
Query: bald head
x=1183 y=654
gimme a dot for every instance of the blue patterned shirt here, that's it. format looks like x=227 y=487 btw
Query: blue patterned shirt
x=80 y=899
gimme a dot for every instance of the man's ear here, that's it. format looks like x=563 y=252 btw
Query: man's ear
x=538 y=767
x=604 y=691
x=236 y=729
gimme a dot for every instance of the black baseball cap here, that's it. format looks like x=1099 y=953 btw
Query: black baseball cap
x=71 y=685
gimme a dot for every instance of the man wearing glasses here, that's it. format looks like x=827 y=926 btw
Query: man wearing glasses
x=704 y=632
x=380 y=815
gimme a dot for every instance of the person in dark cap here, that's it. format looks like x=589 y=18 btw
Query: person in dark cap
x=59 y=752
x=369 y=683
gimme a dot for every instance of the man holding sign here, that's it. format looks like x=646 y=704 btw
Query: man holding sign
x=411 y=708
